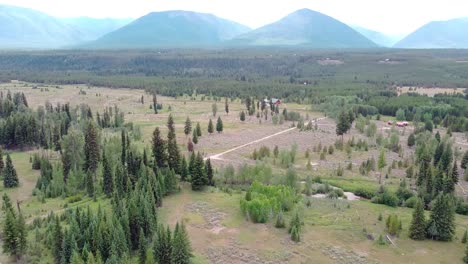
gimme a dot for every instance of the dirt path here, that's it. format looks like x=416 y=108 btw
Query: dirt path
x=218 y=156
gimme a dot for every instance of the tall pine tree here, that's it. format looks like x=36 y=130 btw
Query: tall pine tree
x=441 y=224
x=219 y=125
x=210 y=127
x=172 y=148
x=417 y=229
x=91 y=148
x=10 y=177
x=181 y=251
x=107 y=177
x=159 y=149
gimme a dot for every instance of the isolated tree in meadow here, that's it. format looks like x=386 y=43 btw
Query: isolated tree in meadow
x=198 y=130
x=242 y=116
x=155 y=103
x=190 y=145
x=226 y=106
x=343 y=124
x=10 y=177
x=187 y=127
x=210 y=127
x=441 y=224
x=219 y=125
x=214 y=108
x=159 y=149
x=181 y=248
x=195 y=137
x=107 y=177
x=91 y=148
x=417 y=230
x=172 y=148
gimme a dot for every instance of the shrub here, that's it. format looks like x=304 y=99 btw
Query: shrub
x=411 y=202
x=280 y=223
x=385 y=197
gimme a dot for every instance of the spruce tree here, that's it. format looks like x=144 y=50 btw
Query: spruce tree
x=209 y=173
x=191 y=167
x=454 y=172
x=183 y=169
x=181 y=249
x=242 y=116
x=210 y=127
x=10 y=233
x=10 y=177
x=195 y=137
x=108 y=179
x=57 y=239
x=172 y=149
x=123 y=155
x=219 y=125
x=163 y=246
x=198 y=129
x=417 y=230
x=199 y=178
x=159 y=149
x=75 y=258
x=187 y=127
x=226 y=106
x=142 y=248
x=149 y=259
x=442 y=221
x=465 y=237
x=411 y=140
x=343 y=124
x=91 y=148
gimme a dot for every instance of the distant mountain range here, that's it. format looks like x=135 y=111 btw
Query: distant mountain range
x=306 y=28
x=171 y=29
x=23 y=28
x=377 y=37
x=436 y=35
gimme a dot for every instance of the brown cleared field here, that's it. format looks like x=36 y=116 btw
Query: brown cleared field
x=429 y=91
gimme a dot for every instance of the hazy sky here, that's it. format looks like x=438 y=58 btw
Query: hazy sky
x=389 y=16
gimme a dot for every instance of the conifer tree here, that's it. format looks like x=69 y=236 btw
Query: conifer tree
x=210 y=127
x=75 y=258
x=172 y=149
x=163 y=246
x=142 y=248
x=442 y=221
x=198 y=176
x=454 y=172
x=183 y=169
x=209 y=173
x=181 y=249
x=417 y=229
x=10 y=177
x=219 y=125
x=57 y=241
x=465 y=237
x=108 y=179
x=10 y=231
x=123 y=156
x=195 y=137
x=242 y=116
x=159 y=149
x=226 y=106
x=343 y=124
x=155 y=104
x=411 y=140
x=91 y=148
x=198 y=129
x=187 y=127
x=437 y=136
x=191 y=167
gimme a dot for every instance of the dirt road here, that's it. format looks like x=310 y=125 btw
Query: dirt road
x=218 y=156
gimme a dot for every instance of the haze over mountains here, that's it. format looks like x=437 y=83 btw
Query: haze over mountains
x=22 y=28
x=438 y=34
